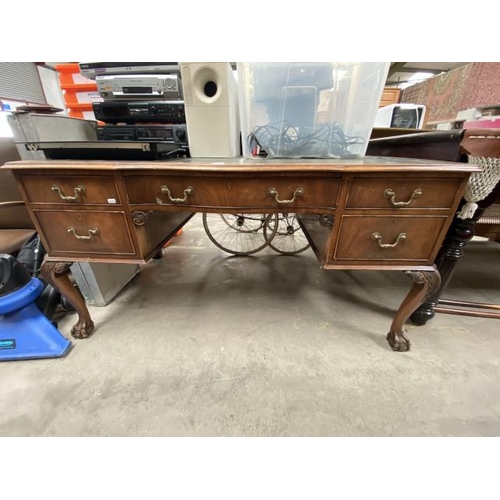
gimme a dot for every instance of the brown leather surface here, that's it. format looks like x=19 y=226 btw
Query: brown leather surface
x=12 y=217
x=482 y=142
x=11 y=240
x=15 y=218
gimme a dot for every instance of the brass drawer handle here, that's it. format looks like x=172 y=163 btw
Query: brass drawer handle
x=389 y=193
x=187 y=192
x=92 y=232
x=296 y=194
x=378 y=238
x=78 y=190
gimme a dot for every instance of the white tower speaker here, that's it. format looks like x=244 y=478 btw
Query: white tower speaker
x=211 y=102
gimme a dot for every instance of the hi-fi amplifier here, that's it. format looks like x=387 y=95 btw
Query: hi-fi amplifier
x=137 y=112
x=139 y=86
x=176 y=134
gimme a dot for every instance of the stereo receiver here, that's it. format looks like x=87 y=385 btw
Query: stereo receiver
x=166 y=133
x=136 y=112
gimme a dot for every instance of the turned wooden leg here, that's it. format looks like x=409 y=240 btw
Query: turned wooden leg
x=57 y=274
x=459 y=234
x=424 y=285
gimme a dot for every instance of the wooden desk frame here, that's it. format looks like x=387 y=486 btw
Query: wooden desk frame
x=371 y=213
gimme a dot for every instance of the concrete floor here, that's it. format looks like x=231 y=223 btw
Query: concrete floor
x=204 y=344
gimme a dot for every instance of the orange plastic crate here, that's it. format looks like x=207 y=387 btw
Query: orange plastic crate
x=81 y=97
x=69 y=74
x=80 y=110
x=78 y=92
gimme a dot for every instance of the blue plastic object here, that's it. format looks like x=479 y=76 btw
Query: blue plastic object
x=25 y=332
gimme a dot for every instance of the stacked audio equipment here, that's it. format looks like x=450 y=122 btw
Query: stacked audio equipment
x=142 y=102
x=211 y=104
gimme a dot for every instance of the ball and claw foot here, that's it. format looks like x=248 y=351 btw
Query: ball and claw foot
x=82 y=329
x=57 y=274
x=398 y=342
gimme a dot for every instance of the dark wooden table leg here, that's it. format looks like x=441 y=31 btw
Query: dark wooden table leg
x=57 y=274
x=459 y=234
x=424 y=284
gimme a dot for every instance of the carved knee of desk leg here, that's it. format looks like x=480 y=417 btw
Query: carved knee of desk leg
x=57 y=274
x=424 y=285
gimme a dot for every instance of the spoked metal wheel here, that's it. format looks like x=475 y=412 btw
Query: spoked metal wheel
x=238 y=234
x=288 y=238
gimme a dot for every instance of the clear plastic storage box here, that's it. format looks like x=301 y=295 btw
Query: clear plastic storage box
x=309 y=110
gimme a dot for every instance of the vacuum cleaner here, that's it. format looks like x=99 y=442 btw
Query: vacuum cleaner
x=25 y=332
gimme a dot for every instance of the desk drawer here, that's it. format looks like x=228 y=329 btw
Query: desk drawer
x=95 y=190
x=233 y=192
x=85 y=232
x=388 y=238
x=402 y=193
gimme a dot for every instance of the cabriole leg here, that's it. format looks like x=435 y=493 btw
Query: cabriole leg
x=57 y=274
x=424 y=285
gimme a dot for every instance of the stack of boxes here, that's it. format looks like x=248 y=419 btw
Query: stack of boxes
x=78 y=91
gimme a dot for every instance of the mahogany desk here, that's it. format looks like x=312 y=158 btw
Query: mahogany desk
x=372 y=213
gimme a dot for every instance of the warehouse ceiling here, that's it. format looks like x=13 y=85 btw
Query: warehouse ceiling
x=404 y=74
